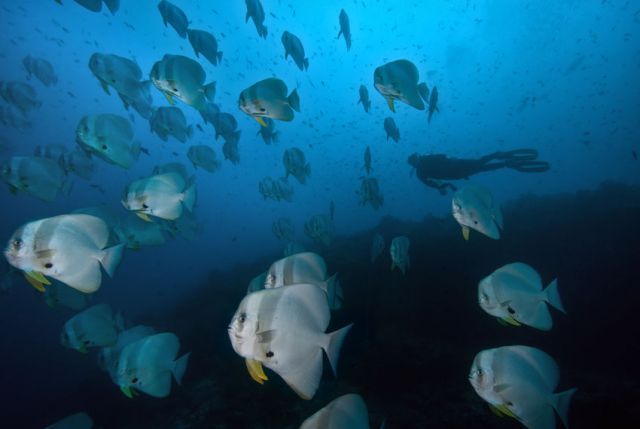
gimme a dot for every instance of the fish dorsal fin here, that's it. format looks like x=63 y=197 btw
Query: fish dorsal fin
x=523 y=273
x=540 y=365
x=91 y=226
x=314 y=301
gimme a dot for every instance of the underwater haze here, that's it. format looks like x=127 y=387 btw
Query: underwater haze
x=513 y=138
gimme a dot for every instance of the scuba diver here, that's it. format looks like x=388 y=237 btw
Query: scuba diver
x=432 y=170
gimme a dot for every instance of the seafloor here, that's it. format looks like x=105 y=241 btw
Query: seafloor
x=415 y=336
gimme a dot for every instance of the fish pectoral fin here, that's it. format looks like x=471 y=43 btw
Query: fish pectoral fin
x=255 y=370
x=465 y=232
x=511 y=321
x=266 y=336
x=105 y=87
x=390 y=104
x=169 y=98
x=127 y=391
x=502 y=408
x=260 y=121
x=145 y=217
x=35 y=283
x=495 y=410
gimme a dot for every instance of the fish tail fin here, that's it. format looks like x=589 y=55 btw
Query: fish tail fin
x=111 y=258
x=335 y=340
x=334 y=292
x=367 y=106
x=561 y=403
x=219 y=56
x=189 y=196
x=552 y=296
x=306 y=63
x=210 y=91
x=294 y=100
x=180 y=366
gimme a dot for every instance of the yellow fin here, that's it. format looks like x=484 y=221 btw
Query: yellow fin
x=33 y=282
x=127 y=391
x=260 y=120
x=390 y=104
x=495 y=410
x=465 y=232
x=255 y=370
x=145 y=217
x=169 y=98
x=83 y=349
x=511 y=321
x=502 y=408
x=105 y=87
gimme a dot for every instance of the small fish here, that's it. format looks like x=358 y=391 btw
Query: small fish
x=268 y=99
x=364 y=98
x=398 y=80
x=40 y=177
x=391 y=129
x=283 y=229
x=345 y=28
x=399 y=251
x=206 y=44
x=97 y=326
x=204 y=157
x=256 y=13
x=293 y=46
x=41 y=69
x=149 y=363
x=474 y=208
x=305 y=267
x=295 y=164
x=367 y=160
x=109 y=137
x=433 y=103
x=170 y=121
x=108 y=356
x=161 y=195
x=519 y=382
x=268 y=133
x=284 y=329
x=370 y=193
x=181 y=77
x=514 y=294
x=174 y=16
x=21 y=95
x=68 y=248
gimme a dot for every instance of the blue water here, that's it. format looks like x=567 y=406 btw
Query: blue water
x=557 y=76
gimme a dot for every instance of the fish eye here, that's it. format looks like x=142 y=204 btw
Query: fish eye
x=484 y=297
x=134 y=380
x=144 y=206
x=104 y=147
x=262 y=109
x=17 y=244
x=511 y=310
x=269 y=354
x=48 y=265
x=242 y=318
